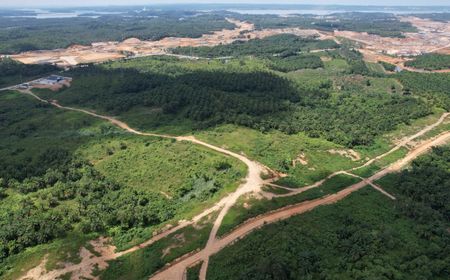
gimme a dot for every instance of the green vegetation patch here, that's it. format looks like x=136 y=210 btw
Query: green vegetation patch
x=193 y=273
x=431 y=86
x=293 y=63
x=383 y=24
x=142 y=263
x=432 y=61
x=35 y=136
x=274 y=190
x=65 y=175
x=305 y=159
x=388 y=66
x=177 y=169
x=363 y=236
x=13 y=72
x=19 y=34
x=377 y=165
x=254 y=98
x=282 y=45
x=57 y=253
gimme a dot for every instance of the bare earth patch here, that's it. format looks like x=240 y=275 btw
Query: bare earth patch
x=351 y=154
x=301 y=158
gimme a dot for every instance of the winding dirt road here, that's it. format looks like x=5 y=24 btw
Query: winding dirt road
x=253 y=184
x=176 y=270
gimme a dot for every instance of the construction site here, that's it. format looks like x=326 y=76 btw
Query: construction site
x=432 y=36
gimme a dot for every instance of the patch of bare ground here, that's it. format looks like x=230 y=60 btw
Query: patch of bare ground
x=351 y=154
x=301 y=158
x=37 y=272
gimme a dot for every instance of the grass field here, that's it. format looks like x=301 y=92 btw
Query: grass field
x=153 y=164
x=278 y=151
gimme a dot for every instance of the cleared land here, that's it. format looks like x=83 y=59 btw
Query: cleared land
x=433 y=36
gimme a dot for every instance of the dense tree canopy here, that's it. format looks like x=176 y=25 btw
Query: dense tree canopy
x=383 y=24
x=430 y=61
x=432 y=86
x=257 y=99
x=282 y=45
x=36 y=34
x=13 y=72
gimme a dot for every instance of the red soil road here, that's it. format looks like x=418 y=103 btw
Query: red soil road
x=176 y=270
x=402 y=143
x=253 y=184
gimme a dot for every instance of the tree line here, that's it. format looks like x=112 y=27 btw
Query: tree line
x=257 y=99
x=282 y=45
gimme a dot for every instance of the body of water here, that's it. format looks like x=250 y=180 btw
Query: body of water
x=286 y=12
x=44 y=14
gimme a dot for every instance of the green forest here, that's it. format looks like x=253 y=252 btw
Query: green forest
x=12 y=72
x=383 y=24
x=53 y=183
x=430 y=61
x=297 y=62
x=365 y=236
x=26 y=34
x=254 y=98
x=431 y=86
x=283 y=45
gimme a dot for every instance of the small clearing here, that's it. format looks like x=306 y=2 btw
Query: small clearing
x=351 y=154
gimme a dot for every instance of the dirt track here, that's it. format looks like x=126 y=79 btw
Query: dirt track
x=402 y=143
x=253 y=184
x=176 y=271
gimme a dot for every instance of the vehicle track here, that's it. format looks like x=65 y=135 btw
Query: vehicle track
x=401 y=144
x=176 y=270
x=253 y=184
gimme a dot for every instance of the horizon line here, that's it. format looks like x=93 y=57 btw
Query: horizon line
x=216 y=4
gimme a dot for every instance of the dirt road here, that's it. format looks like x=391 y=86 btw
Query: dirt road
x=253 y=183
x=402 y=143
x=405 y=141
x=176 y=270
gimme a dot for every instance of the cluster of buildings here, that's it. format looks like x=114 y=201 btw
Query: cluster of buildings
x=52 y=81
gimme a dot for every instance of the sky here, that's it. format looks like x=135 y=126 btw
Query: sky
x=79 y=3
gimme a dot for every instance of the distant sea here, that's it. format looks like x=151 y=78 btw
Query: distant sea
x=45 y=14
x=285 y=12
